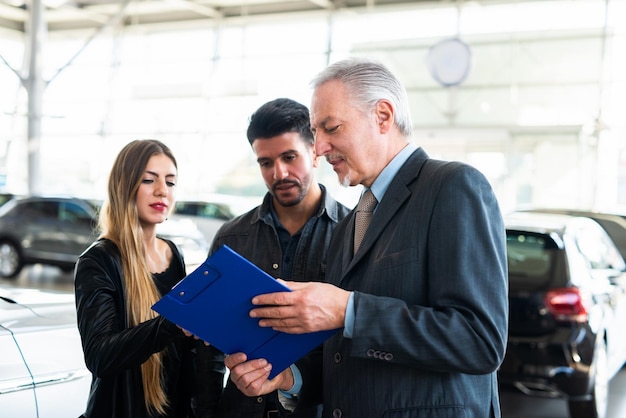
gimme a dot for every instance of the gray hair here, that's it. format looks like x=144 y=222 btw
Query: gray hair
x=369 y=81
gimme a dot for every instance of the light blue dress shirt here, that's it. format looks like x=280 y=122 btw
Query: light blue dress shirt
x=379 y=188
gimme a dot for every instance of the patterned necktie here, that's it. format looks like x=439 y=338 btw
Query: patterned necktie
x=363 y=215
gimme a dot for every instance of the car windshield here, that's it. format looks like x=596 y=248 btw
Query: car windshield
x=532 y=260
x=204 y=209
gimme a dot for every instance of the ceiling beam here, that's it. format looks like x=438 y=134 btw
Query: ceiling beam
x=198 y=8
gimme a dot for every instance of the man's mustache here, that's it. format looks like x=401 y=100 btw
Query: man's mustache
x=285 y=182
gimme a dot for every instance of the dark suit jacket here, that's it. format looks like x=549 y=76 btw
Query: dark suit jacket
x=431 y=304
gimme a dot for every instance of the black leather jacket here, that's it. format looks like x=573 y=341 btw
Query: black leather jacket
x=114 y=351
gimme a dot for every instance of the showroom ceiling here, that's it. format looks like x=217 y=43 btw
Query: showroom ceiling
x=74 y=14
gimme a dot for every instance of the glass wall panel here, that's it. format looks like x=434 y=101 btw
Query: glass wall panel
x=546 y=79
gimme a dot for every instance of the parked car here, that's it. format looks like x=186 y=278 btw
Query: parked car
x=204 y=209
x=56 y=230
x=567 y=296
x=42 y=369
x=5 y=197
x=189 y=239
x=207 y=216
x=48 y=230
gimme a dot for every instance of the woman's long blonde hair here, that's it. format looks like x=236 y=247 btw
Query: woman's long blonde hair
x=119 y=222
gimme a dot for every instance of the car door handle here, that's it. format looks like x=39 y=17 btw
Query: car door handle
x=43 y=380
x=62 y=377
x=15 y=385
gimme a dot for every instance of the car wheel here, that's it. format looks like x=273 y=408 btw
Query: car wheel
x=596 y=406
x=11 y=262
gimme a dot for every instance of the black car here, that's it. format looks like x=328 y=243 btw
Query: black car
x=567 y=295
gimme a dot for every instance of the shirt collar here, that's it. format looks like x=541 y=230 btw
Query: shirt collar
x=381 y=184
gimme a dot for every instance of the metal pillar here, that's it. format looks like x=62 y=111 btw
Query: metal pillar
x=35 y=86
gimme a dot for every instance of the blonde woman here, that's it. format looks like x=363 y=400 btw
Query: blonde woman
x=142 y=364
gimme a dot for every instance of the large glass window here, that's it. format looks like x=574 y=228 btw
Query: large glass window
x=547 y=79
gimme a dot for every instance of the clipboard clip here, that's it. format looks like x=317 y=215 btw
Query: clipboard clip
x=187 y=290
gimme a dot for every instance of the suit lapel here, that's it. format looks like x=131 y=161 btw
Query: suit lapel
x=348 y=244
x=397 y=193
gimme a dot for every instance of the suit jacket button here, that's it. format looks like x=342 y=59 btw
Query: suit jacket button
x=337 y=413
x=337 y=358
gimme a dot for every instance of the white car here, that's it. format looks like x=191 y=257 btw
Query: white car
x=42 y=369
x=185 y=234
x=209 y=215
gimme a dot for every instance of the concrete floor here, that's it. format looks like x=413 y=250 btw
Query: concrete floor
x=517 y=405
x=514 y=404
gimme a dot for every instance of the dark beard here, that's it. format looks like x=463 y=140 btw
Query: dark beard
x=293 y=201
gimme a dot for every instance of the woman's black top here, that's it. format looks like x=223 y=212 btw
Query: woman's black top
x=114 y=351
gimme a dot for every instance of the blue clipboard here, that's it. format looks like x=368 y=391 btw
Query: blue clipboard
x=213 y=302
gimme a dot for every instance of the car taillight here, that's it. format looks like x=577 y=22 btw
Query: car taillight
x=566 y=304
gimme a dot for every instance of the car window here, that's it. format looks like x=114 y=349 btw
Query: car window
x=183 y=208
x=600 y=252
x=212 y=211
x=532 y=259
x=207 y=210
x=5 y=197
x=616 y=231
x=203 y=209
x=74 y=213
x=38 y=210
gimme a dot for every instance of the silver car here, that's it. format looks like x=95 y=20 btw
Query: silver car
x=42 y=371
x=44 y=229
